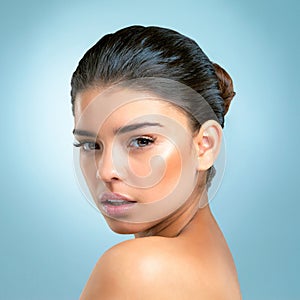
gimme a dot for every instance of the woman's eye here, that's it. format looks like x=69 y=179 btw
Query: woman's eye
x=141 y=142
x=88 y=146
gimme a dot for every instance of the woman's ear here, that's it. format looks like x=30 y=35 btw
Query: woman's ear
x=208 y=142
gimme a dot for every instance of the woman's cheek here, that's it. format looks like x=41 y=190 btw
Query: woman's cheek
x=170 y=171
x=88 y=167
x=139 y=164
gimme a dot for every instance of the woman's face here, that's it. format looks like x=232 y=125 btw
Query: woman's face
x=137 y=156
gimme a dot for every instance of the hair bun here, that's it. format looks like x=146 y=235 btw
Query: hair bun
x=225 y=86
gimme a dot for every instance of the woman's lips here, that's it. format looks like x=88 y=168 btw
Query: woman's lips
x=115 y=204
x=114 y=196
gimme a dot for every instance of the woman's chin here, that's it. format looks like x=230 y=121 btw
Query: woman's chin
x=122 y=227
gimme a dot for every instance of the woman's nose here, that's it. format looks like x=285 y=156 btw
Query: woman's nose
x=106 y=170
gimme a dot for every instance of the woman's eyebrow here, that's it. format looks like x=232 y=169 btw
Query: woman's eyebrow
x=132 y=127
x=119 y=130
x=83 y=132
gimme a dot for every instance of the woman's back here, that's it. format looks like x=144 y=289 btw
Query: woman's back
x=196 y=264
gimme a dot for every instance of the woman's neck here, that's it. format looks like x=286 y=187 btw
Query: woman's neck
x=177 y=222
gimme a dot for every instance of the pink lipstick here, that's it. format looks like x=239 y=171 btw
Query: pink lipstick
x=115 y=204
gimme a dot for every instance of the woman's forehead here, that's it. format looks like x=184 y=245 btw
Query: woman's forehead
x=123 y=106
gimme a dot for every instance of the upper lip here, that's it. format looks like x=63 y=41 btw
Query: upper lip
x=114 y=196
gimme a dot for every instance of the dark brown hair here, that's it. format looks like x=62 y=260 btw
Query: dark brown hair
x=154 y=52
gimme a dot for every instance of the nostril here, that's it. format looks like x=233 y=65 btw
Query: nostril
x=114 y=179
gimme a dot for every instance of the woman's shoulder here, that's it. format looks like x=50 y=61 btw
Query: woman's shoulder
x=150 y=267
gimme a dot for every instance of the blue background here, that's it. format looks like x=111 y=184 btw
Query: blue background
x=50 y=236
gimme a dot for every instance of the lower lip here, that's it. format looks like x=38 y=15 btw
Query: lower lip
x=117 y=210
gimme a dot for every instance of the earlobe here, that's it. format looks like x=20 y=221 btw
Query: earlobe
x=208 y=142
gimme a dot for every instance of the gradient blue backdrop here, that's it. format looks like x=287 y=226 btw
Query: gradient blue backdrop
x=50 y=236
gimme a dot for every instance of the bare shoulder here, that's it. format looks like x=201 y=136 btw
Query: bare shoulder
x=149 y=268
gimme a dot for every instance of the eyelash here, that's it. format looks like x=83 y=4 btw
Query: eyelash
x=149 y=140
x=94 y=146
x=84 y=143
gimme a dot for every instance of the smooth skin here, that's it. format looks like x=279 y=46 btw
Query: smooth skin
x=183 y=256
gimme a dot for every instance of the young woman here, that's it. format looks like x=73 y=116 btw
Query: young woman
x=149 y=110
